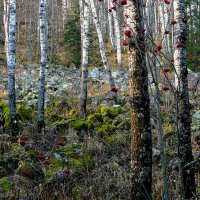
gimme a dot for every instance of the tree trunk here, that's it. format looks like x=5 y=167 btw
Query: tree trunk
x=6 y=5
x=64 y=7
x=117 y=36
x=101 y=44
x=141 y=142
x=85 y=49
x=43 y=44
x=11 y=62
x=184 y=119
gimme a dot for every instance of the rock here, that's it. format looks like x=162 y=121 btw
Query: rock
x=197 y=115
x=94 y=73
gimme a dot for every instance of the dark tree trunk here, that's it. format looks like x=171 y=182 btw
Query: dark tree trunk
x=141 y=142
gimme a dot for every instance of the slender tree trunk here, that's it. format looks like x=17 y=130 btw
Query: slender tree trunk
x=101 y=44
x=43 y=44
x=117 y=36
x=64 y=7
x=110 y=24
x=11 y=62
x=85 y=49
x=184 y=130
x=6 y=4
x=141 y=142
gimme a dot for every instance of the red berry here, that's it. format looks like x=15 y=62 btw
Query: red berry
x=127 y=33
x=22 y=142
x=124 y=43
x=123 y=2
x=141 y=37
x=158 y=48
x=110 y=9
x=126 y=16
x=166 y=31
x=114 y=89
x=40 y=156
x=173 y=22
x=113 y=8
x=165 y=70
x=166 y=1
x=172 y=60
x=179 y=45
x=165 y=88
x=114 y=1
x=67 y=171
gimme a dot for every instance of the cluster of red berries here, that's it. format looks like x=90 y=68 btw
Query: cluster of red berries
x=121 y=2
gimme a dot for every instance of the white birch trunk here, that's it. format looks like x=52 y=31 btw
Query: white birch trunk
x=101 y=44
x=117 y=36
x=43 y=44
x=110 y=24
x=64 y=7
x=6 y=4
x=11 y=62
x=186 y=174
x=85 y=51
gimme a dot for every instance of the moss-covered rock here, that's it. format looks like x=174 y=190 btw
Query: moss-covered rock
x=110 y=112
x=125 y=124
x=106 y=130
x=79 y=124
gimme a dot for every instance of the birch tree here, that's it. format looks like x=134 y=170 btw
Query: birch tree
x=64 y=7
x=141 y=142
x=6 y=5
x=11 y=62
x=117 y=35
x=43 y=44
x=101 y=44
x=85 y=49
x=187 y=173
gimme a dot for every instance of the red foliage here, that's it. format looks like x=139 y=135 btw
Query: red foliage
x=124 y=43
x=128 y=33
x=47 y=162
x=123 y=2
x=26 y=174
x=40 y=156
x=114 y=89
x=60 y=142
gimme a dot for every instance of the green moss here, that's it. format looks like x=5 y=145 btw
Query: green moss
x=126 y=124
x=169 y=130
x=106 y=129
x=23 y=113
x=5 y=108
x=110 y=139
x=72 y=114
x=79 y=124
x=110 y=112
x=95 y=117
x=5 y=185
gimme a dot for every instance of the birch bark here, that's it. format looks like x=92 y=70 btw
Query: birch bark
x=64 y=7
x=117 y=36
x=187 y=174
x=85 y=49
x=11 y=62
x=43 y=48
x=6 y=5
x=101 y=44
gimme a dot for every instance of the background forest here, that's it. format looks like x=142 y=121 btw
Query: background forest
x=99 y=99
